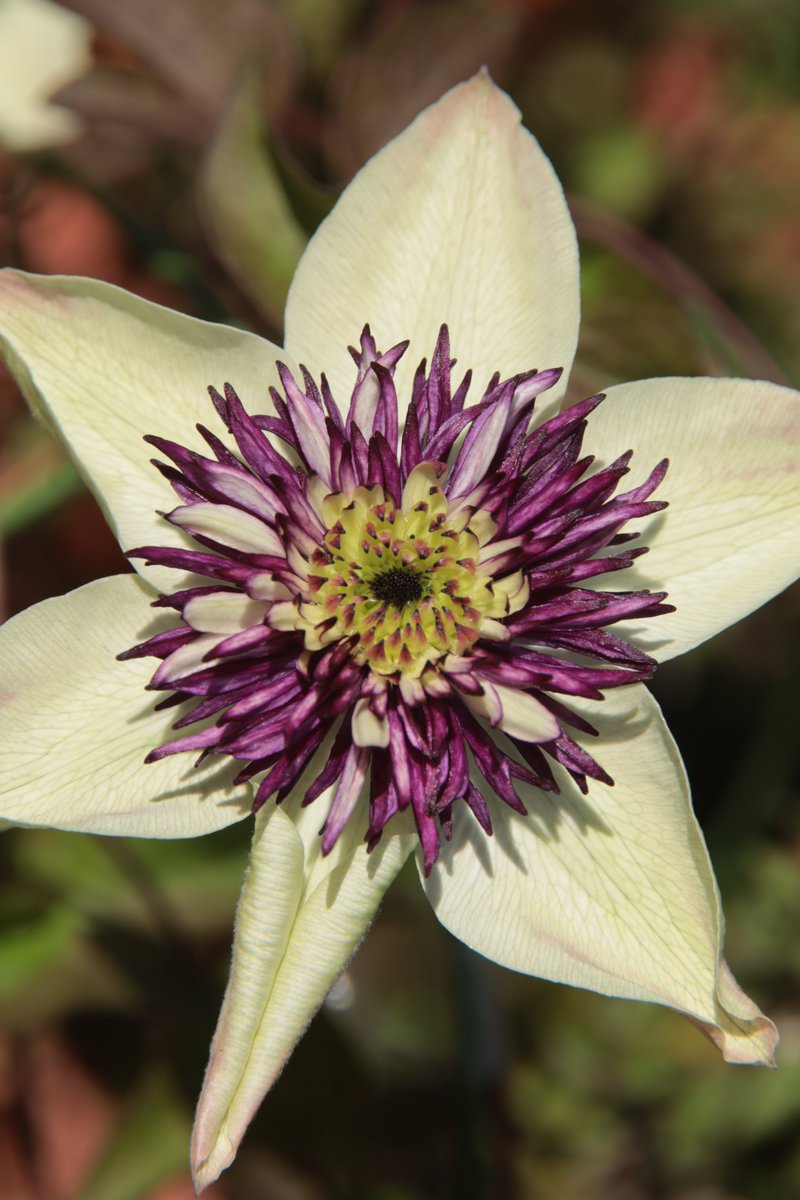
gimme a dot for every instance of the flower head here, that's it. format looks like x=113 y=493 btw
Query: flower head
x=406 y=620
x=396 y=599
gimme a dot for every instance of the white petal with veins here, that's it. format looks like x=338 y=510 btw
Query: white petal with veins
x=460 y=219
x=300 y=919
x=730 y=538
x=103 y=368
x=76 y=726
x=612 y=892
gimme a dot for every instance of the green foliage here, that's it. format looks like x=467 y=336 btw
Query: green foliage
x=250 y=220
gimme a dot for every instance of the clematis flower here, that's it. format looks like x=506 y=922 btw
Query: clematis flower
x=404 y=603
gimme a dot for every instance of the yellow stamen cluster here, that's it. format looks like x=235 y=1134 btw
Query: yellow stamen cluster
x=404 y=583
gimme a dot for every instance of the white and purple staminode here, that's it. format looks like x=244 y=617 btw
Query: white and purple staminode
x=389 y=603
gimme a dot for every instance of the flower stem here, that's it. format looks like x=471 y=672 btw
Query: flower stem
x=483 y=1171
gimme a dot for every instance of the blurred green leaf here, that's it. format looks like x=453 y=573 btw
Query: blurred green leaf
x=310 y=200
x=251 y=224
x=47 y=965
x=149 y=1147
x=718 y=334
x=630 y=329
x=33 y=947
x=623 y=170
x=35 y=477
x=131 y=881
x=322 y=27
x=762 y=784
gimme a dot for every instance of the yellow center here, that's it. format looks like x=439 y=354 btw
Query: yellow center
x=404 y=583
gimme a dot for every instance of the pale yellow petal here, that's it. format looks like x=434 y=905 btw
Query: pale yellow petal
x=368 y=729
x=525 y=717
x=230 y=526
x=739 y=1030
x=730 y=538
x=612 y=892
x=104 y=368
x=459 y=220
x=420 y=483
x=223 y=612
x=76 y=725
x=300 y=919
x=515 y=712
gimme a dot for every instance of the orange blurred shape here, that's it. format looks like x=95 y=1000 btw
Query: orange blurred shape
x=65 y=231
x=68 y=1116
x=70 y=1119
x=678 y=87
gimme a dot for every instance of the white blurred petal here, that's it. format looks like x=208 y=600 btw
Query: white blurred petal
x=43 y=47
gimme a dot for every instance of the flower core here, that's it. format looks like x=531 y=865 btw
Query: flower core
x=398 y=587
x=404 y=581
x=397 y=611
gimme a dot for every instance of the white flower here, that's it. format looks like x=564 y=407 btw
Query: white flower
x=42 y=48
x=459 y=220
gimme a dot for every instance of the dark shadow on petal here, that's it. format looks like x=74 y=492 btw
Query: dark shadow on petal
x=212 y=784
x=373 y=863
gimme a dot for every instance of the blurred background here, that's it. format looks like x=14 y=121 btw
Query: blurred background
x=194 y=147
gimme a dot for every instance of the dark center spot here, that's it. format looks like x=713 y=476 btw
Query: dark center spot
x=398 y=586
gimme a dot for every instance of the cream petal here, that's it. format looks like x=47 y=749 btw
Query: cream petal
x=191 y=657
x=369 y=729
x=740 y=1031
x=730 y=538
x=76 y=725
x=229 y=525
x=612 y=892
x=224 y=612
x=420 y=483
x=486 y=704
x=104 y=368
x=459 y=220
x=516 y=713
x=493 y=630
x=525 y=717
x=300 y=919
